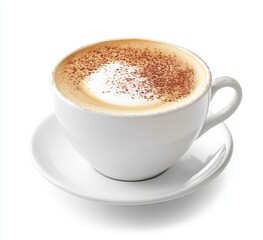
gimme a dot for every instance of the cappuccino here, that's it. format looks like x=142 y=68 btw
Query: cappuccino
x=131 y=76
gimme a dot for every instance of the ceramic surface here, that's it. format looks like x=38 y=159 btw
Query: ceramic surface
x=63 y=166
x=140 y=146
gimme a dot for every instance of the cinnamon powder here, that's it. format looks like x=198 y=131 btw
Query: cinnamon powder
x=166 y=77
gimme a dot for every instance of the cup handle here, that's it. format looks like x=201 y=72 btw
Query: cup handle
x=215 y=118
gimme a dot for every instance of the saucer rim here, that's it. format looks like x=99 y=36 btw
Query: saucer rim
x=149 y=200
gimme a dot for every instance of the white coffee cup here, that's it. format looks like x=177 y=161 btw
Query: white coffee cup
x=138 y=147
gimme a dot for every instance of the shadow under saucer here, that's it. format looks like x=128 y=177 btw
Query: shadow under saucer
x=143 y=217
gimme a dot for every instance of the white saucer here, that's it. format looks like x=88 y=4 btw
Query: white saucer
x=64 y=167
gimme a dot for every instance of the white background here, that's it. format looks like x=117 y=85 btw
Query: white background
x=35 y=35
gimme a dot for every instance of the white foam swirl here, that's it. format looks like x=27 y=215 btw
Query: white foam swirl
x=109 y=83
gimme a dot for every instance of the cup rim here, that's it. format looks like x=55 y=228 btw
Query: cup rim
x=143 y=115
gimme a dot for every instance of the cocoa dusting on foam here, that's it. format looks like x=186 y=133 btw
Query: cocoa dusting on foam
x=156 y=74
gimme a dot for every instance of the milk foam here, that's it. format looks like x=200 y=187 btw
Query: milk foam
x=101 y=84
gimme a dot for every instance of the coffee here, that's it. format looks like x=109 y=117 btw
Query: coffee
x=131 y=76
